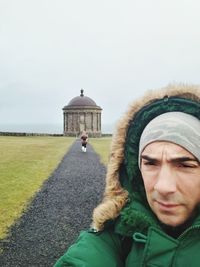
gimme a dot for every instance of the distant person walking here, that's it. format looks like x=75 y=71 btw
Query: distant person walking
x=84 y=140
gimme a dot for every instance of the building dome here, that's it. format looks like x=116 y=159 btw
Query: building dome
x=82 y=114
x=81 y=101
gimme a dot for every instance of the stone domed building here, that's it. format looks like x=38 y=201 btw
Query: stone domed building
x=82 y=113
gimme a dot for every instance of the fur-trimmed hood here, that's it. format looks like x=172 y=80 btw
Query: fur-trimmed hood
x=124 y=185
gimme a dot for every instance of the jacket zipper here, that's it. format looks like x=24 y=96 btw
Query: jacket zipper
x=183 y=235
x=188 y=230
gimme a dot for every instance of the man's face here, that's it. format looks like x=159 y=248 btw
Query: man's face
x=171 y=178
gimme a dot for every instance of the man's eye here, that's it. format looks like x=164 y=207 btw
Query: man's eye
x=149 y=163
x=184 y=165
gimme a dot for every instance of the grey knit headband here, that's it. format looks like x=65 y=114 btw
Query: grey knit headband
x=176 y=127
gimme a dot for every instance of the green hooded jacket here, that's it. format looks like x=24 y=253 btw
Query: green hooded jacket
x=125 y=232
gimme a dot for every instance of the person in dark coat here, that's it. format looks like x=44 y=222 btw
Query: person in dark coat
x=150 y=213
x=84 y=140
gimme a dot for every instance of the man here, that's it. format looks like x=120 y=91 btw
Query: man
x=150 y=214
x=84 y=139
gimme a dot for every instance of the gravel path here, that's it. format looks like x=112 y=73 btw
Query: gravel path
x=58 y=212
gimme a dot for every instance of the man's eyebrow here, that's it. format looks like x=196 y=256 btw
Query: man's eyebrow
x=148 y=158
x=178 y=159
x=183 y=159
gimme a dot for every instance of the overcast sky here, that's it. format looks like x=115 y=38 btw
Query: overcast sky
x=114 y=50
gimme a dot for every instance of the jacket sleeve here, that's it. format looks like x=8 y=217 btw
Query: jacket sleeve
x=93 y=250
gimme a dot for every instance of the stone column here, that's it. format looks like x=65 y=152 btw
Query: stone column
x=97 y=121
x=64 y=122
x=92 y=127
x=100 y=121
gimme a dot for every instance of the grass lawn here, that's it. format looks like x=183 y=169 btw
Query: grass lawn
x=25 y=163
x=102 y=147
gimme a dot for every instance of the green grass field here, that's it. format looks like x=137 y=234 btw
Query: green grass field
x=102 y=147
x=25 y=163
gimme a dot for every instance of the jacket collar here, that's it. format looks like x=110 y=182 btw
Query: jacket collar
x=137 y=216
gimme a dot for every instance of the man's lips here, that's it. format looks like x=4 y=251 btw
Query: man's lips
x=166 y=205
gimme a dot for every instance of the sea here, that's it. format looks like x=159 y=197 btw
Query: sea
x=50 y=128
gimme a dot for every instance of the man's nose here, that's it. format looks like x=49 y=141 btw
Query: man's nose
x=166 y=181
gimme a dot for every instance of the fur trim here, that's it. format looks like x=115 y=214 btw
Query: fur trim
x=115 y=197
